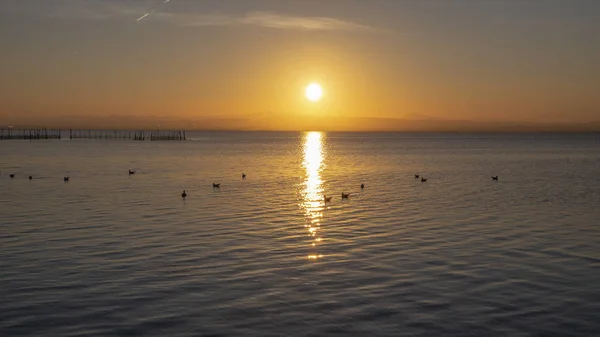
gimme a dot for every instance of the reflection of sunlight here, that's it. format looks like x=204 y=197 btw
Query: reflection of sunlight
x=313 y=202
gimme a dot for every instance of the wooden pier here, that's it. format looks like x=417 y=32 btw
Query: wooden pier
x=37 y=134
x=29 y=134
x=107 y=134
x=167 y=135
x=127 y=135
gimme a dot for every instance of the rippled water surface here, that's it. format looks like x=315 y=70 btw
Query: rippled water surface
x=112 y=254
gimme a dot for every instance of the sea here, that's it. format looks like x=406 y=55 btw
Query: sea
x=109 y=253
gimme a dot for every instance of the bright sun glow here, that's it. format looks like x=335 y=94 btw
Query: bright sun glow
x=314 y=92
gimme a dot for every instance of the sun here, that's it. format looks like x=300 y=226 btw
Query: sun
x=313 y=92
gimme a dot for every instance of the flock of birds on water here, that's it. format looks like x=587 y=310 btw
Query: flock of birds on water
x=218 y=185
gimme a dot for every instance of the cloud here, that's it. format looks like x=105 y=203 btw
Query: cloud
x=93 y=10
x=260 y=19
x=272 y=20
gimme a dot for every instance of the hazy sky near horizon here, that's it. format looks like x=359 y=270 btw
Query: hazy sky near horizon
x=480 y=60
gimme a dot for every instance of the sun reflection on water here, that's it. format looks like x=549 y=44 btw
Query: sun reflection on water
x=313 y=202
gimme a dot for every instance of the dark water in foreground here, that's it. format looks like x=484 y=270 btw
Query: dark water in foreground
x=108 y=254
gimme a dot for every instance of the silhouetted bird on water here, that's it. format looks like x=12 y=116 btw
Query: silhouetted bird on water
x=423 y=180
x=326 y=198
x=495 y=178
x=345 y=196
x=183 y=195
x=362 y=186
x=216 y=185
x=12 y=175
x=243 y=175
x=66 y=179
x=417 y=176
x=30 y=177
x=131 y=172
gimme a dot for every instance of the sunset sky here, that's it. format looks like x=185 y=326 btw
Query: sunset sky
x=245 y=64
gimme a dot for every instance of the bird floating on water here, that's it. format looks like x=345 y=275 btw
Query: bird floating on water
x=345 y=196
x=30 y=177
x=183 y=195
x=12 y=175
x=495 y=178
x=131 y=172
x=216 y=185
x=326 y=198
x=66 y=178
x=423 y=180
x=362 y=186
x=243 y=175
x=417 y=176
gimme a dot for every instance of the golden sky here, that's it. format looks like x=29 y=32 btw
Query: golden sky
x=245 y=64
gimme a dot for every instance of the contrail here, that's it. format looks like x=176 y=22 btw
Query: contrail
x=150 y=12
x=142 y=17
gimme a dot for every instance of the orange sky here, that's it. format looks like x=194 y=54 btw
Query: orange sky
x=245 y=64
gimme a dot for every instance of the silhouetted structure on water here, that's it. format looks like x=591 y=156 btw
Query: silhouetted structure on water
x=29 y=134
x=38 y=134
x=107 y=134
x=127 y=135
x=167 y=135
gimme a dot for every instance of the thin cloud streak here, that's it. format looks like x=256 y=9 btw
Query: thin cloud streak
x=273 y=20
x=260 y=19
x=257 y=18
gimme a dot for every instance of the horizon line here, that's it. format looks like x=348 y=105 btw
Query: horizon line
x=506 y=131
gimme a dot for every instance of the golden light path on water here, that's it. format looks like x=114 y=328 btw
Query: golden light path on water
x=313 y=202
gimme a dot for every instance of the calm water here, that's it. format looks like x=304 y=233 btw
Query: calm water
x=108 y=254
